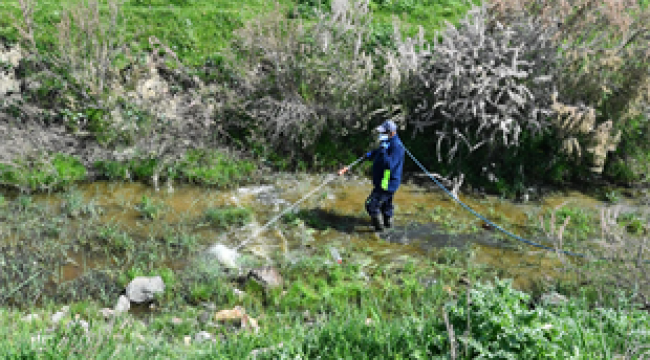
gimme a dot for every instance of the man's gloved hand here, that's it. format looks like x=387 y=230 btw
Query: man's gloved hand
x=368 y=154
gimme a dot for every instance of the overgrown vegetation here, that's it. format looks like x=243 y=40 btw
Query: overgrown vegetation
x=510 y=93
x=42 y=172
x=360 y=306
x=389 y=319
x=294 y=85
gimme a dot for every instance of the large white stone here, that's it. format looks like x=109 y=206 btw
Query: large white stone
x=143 y=289
x=8 y=83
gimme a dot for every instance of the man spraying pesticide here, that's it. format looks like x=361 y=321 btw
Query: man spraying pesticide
x=388 y=161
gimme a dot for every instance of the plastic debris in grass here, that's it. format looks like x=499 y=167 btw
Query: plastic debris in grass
x=226 y=256
x=335 y=255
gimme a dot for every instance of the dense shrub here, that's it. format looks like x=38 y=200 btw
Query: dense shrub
x=602 y=69
x=481 y=83
x=301 y=82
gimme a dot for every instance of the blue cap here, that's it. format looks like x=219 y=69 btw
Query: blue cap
x=387 y=127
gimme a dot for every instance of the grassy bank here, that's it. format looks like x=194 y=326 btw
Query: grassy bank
x=211 y=56
x=211 y=168
x=395 y=318
x=199 y=31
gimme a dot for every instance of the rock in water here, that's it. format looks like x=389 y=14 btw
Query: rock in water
x=143 y=289
x=227 y=257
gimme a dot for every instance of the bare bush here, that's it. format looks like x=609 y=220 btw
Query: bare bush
x=605 y=48
x=300 y=81
x=483 y=83
x=576 y=124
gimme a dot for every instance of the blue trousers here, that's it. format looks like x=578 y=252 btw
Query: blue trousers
x=380 y=201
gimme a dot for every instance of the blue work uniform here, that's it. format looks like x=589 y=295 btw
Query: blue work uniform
x=386 y=177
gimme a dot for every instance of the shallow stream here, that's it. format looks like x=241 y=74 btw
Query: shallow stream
x=426 y=221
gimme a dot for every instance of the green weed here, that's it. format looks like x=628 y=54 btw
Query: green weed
x=149 y=208
x=43 y=173
x=633 y=223
x=112 y=169
x=612 y=196
x=214 y=168
x=228 y=216
x=110 y=238
x=581 y=224
x=74 y=205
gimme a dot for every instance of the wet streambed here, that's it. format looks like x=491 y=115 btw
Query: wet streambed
x=426 y=220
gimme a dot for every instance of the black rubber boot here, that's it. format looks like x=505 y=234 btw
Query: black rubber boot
x=376 y=223
x=388 y=222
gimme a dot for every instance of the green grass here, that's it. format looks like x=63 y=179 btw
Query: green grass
x=201 y=30
x=203 y=167
x=195 y=30
x=210 y=167
x=227 y=216
x=76 y=206
x=500 y=321
x=149 y=208
x=41 y=173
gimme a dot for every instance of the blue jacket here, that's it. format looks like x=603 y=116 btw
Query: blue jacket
x=387 y=165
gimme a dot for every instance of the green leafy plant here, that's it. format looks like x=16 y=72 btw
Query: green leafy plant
x=633 y=223
x=112 y=169
x=581 y=222
x=113 y=238
x=494 y=320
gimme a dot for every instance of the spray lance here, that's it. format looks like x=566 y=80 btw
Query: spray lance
x=292 y=206
x=345 y=169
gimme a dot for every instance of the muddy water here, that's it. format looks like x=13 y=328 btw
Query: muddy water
x=426 y=221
